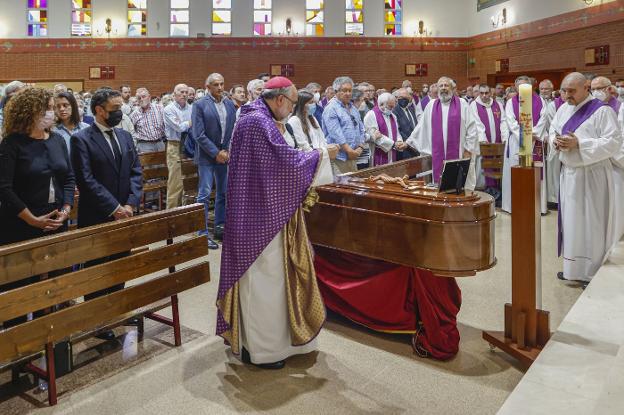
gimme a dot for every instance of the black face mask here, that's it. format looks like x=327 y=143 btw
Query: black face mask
x=403 y=102
x=189 y=101
x=114 y=118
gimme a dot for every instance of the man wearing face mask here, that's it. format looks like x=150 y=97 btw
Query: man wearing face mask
x=447 y=131
x=190 y=98
x=601 y=89
x=108 y=173
x=383 y=131
x=149 y=123
x=213 y=119
x=262 y=282
x=315 y=89
x=405 y=112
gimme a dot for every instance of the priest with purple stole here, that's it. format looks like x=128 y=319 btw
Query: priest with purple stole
x=585 y=136
x=601 y=89
x=432 y=93
x=540 y=132
x=383 y=129
x=491 y=124
x=269 y=304
x=447 y=131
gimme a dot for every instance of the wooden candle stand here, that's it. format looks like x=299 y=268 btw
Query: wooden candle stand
x=527 y=328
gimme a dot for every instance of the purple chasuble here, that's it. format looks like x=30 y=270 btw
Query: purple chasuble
x=267 y=181
x=575 y=121
x=453 y=135
x=485 y=119
x=559 y=102
x=381 y=157
x=424 y=102
x=615 y=104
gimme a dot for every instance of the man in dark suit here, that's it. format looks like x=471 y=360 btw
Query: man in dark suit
x=406 y=117
x=213 y=121
x=108 y=173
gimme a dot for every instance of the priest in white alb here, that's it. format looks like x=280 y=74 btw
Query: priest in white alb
x=540 y=132
x=585 y=135
x=447 y=131
x=382 y=129
x=491 y=122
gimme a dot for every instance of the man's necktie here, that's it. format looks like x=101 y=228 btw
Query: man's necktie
x=115 y=147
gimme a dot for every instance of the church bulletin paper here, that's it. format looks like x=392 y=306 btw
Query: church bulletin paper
x=484 y=4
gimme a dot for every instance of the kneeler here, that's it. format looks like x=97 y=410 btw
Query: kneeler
x=392 y=298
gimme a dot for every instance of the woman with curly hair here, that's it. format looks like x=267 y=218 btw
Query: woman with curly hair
x=36 y=177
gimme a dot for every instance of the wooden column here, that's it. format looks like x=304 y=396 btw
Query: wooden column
x=526 y=326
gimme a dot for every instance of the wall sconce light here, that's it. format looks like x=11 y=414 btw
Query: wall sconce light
x=422 y=31
x=499 y=19
x=288 y=26
x=109 y=26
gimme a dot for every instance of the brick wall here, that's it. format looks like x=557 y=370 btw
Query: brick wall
x=159 y=71
x=558 y=51
x=382 y=65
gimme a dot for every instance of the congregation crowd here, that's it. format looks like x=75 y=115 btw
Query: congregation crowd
x=57 y=144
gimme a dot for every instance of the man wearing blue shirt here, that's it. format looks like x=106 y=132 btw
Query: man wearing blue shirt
x=343 y=125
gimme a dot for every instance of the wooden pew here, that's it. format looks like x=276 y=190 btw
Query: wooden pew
x=155 y=174
x=43 y=255
x=492 y=156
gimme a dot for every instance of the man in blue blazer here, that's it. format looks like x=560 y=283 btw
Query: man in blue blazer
x=108 y=173
x=213 y=121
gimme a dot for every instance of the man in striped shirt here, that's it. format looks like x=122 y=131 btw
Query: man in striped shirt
x=149 y=123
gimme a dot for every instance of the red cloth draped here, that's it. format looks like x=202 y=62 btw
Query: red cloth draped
x=392 y=298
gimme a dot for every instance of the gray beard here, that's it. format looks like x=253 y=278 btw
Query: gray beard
x=445 y=97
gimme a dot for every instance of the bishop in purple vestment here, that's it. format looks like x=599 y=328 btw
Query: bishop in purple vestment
x=269 y=305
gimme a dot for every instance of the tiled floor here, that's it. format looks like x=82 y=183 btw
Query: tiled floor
x=355 y=371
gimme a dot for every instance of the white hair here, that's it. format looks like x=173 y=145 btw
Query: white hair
x=13 y=86
x=340 y=81
x=449 y=80
x=213 y=77
x=253 y=84
x=547 y=82
x=384 y=98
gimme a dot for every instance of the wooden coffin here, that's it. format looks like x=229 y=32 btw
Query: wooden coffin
x=448 y=234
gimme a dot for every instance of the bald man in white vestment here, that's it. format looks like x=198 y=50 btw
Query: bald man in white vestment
x=585 y=136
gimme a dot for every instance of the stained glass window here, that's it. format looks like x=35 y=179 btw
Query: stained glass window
x=179 y=18
x=82 y=17
x=315 y=19
x=354 y=17
x=262 y=17
x=393 y=12
x=222 y=17
x=37 y=18
x=137 y=18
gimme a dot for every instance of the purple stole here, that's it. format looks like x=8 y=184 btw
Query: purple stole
x=575 y=121
x=453 y=134
x=381 y=157
x=416 y=99
x=538 y=152
x=424 y=102
x=615 y=104
x=324 y=102
x=558 y=103
x=483 y=115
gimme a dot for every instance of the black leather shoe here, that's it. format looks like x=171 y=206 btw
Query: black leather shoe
x=107 y=335
x=560 y=276
x=270 y=366
x=212 y=244
x=218 y=232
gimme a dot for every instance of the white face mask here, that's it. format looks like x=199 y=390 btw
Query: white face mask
x=599 y=94
x=317 y=97
x=47 y=121
x=386 y=111
x=620 y=91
